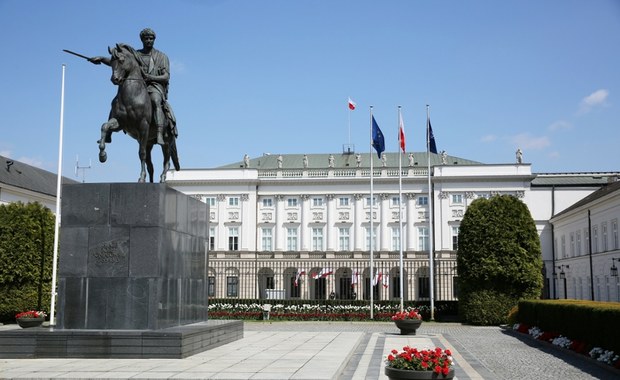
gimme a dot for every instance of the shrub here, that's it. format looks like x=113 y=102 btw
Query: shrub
x=487 y=307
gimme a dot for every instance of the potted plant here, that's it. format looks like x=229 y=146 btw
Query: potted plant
x=412 y=363
x=407 y=321
x=30 y=318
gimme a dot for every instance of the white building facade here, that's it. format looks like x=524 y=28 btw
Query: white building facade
x=298 y=226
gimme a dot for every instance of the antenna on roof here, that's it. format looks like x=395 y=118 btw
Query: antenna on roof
x=82 y=168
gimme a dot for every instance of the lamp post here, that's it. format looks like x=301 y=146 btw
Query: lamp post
x=613 y=272
x=563 y=277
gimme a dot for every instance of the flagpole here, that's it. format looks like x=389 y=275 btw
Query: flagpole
x=430 y=216
x=372 y=273
x=58 y=197
x=349 y=142
x=400 y=205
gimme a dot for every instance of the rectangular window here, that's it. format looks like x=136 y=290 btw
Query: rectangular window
x=614 y=234
x=291 y=202
x=424 y=285
x=210 y=201
x=374 y=201
x=317 y=239
x=291 y=239
x=211 y=286
x=343 y=239
x=572 y=245
x=457 y=199
x=604 y=236
x=422 y=201
x=578 y=243
x=233 y=201
x=563 y=246
x=211 y=238
x=232 y=286
x=423 y=239
x=586 y=237
x=374 y=238
x=267 y=202
x=395 y=239
x=233 y=238
x=267 y=239
x=455 y=238
x=595 y=239
x=395 y=201
x=317 y=202
x=343 y=201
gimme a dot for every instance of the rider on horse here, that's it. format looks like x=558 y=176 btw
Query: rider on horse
x=156 y=72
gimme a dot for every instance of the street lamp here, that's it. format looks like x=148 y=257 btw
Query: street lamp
x=563 y=277
x=614 y=270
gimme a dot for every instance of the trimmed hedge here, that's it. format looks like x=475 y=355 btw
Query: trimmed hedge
x=590 y=321
x=487 y=307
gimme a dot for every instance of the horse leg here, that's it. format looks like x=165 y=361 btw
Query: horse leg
x=149 y=161
x=106 y=129
x=165 y=149
x=143 y=142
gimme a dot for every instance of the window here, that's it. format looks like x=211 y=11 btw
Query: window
x=578 y=243
x=374 y=238
x=317 y=239
x=291 y=202
x=343 y=201
x=374 y=201
x=233 y=201
x=211 y=286
x=232 y=286
x=395 y=239
x=317 y=202
x=423 y=239
x=595 y=239
x=422 y=201
x=210 y=201
x=211 y=238
x=267 y=202
x=424 y=285
x=267 y=239
x=343 y=239
x=563 y=246
x=572 y=245
x=457 y=199
x=586 y=237
x=291 y=239
x=604 y=236
x=614 y=234
x=455 y=238
x=233 y=238
x=395 y=201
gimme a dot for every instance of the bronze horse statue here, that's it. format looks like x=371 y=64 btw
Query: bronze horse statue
x=132 y=113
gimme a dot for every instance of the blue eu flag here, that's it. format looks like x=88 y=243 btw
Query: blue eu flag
x=378 y=142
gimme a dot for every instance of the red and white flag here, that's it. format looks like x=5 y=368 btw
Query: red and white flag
x=300 y=272
x=386 y=280
x=325 y=272
x=401 y=133
x=377 y=278
x=352 y=104
x=354 y=277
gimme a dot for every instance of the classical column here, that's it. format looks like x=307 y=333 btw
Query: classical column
x=304 y=234
x=384 y=233
x=329 y=226
x=411 y=216
x=279 y=234
x=358 y=220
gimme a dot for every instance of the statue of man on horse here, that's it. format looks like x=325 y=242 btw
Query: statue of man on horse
x=156 y=72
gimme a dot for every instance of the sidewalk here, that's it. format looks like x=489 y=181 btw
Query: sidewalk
x=326 y=350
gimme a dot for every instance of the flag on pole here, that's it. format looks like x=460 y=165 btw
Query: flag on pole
x=377 y=278
x=431 y=138
x=316 y=275
x=378 y=142
x=325 y=272
x=401 y=133
x=386 y=280
x=354 y=278
x=352 y=104
x=300 y=272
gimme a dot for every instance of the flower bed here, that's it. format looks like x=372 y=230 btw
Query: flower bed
x=580 y=347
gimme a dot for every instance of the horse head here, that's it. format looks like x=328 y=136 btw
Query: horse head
x=123 y=62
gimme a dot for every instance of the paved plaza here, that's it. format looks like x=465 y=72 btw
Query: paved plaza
x=331 y=350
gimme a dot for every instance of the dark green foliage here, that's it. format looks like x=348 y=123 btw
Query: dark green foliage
x=499 y=258
x=26 y=233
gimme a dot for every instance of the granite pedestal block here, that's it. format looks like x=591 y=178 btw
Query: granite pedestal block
x=132 y=257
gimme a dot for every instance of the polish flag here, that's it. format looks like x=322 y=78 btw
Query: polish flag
x=386 y=280
x=377 y=278
x=325 y=272
x=401 y=133
x=352 y=104
x=354 y=278
x=300 y=272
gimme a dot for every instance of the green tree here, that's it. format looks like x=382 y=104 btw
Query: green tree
x=499 y=259
x=26 y=250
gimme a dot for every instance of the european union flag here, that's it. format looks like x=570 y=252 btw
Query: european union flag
x=431 y=139
x=378 y=142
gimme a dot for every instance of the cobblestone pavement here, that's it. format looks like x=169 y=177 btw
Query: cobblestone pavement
x=490 y=352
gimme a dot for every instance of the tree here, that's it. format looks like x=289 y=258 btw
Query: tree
x=499 y=259
x=26 y=250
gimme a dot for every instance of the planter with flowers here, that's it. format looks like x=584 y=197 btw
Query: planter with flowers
x=407 y=321
x=31 y=318
x=412 y=363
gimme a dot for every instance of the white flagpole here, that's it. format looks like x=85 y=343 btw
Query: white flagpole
x=58 y=197
x=349 y=142
x=400 y=206
x=430 y=217
x=372 y=288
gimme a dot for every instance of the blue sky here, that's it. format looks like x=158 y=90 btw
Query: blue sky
x=274 y=76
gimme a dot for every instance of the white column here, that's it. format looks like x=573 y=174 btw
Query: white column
x=304 y=227
x=359 y=217
x=279 y=234
x=411 y=216
x=384 y=231
x=330 y=231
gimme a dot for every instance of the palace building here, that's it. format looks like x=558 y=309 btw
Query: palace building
x=298 y=226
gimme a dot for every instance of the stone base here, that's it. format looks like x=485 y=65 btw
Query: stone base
x=170 y=343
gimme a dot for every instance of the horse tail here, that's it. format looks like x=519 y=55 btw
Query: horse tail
x=174 y=155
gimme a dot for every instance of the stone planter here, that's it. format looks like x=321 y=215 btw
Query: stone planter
x=408 y=326
x=30 y=322
x=398 y=374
